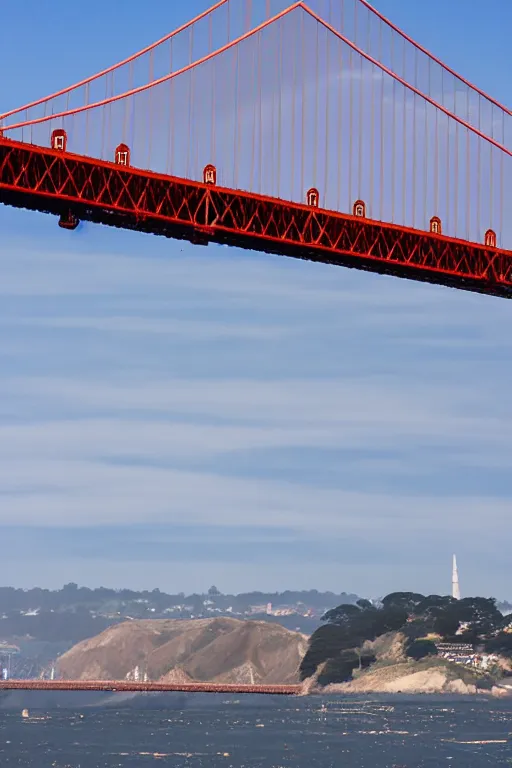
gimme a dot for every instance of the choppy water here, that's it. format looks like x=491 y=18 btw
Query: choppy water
x=274 y=733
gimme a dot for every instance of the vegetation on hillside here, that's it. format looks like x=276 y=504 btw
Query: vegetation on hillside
x=337 y=646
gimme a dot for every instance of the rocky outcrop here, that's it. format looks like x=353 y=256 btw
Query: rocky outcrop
x=402 y=678
x=428 y=677
x=389 y=648
x=214 y=650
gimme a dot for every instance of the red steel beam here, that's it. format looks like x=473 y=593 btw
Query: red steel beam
x=61 y=183
x=124 y=685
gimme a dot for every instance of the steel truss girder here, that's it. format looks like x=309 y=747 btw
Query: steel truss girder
x=61 y=183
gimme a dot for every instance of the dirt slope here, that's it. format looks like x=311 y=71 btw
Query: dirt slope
x=217 y=650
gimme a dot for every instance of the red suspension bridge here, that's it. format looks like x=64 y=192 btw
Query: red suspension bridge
x=317 y=130
x=120 y=686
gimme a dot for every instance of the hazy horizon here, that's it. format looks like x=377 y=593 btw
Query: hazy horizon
x=204 y=590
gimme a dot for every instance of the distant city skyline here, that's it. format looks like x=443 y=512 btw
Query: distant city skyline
x=172 y=415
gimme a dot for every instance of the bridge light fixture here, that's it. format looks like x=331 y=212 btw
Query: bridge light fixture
x=435 y=225
x=359 y=209
x=490 y=238
x=210 y=174
x=313 y=197
x=123 y=155
x=59 y=139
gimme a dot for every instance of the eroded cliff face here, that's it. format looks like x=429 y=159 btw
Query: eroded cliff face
x=217 y=650
x=411 y=678
x=403 y=678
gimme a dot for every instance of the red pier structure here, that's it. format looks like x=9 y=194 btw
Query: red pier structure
x=314 y=130
x=153 y=687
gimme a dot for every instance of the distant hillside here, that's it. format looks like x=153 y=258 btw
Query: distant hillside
x=217 y=650
x=74 y=613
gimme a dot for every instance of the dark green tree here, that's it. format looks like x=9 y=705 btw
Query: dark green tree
x=481 y=612
x=418 y=649
x=326 y=643
x=406 y=601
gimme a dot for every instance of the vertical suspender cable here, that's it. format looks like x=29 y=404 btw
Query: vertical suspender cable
x=67 y=108
x=188 y=137
x=103 y=122
x=212 y=91
x=491 y=181
x=478 y=174
x=373 y=207
x=327 y=148
x=414 y=144
x=446 y=165
x=279 y=105
x=317 y=88
x=240 y=91
x=382 y=144
x=381 y=128
x=467 y=180
x=260 y=126
x=456 y=165
x=339 y=125
x=361 y=131
x=426 y=168
x=149 y=137
x=404 y=128
x=170 y=123
x=393 y=132
x=456 y=176
x=109 y=135
x=173 y=123
x=436 y=165
x=197 y=110
x=254 y=101
x=371 y=154
x=86 y=119
x=393 y=152
x=269 y=166
x=351 y=130
x=303 y=100
x=294 y=108
x=236 y=95
x=501 y=183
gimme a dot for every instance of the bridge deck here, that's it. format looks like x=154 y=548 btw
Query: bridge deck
x=61 y=183
x=124 y=685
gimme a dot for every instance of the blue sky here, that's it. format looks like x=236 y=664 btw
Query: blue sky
x=174 y=416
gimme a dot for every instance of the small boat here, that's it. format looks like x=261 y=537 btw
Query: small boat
x=25 y=713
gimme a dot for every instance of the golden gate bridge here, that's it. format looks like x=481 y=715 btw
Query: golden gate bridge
x=317 y=130
x=120 y=686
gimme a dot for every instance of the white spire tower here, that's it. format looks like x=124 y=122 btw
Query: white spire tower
x=455 y=580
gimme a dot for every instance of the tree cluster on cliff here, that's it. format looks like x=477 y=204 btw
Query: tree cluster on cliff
x=338 y=642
